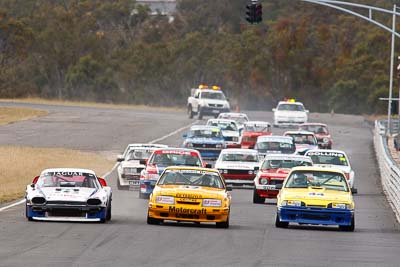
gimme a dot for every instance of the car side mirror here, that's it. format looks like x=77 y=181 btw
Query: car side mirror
x=278 y=186
x=273 y=109
x=229 y=187
x=208 y=165
x=120 y=158
x=143 y=162
x=256 y=168
x=184 y=135
x=307 y=111
x=354 y=190
x=102 y=181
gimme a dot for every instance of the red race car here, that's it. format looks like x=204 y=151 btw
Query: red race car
x=252 y=130
x=274 y=170
x=321 y=132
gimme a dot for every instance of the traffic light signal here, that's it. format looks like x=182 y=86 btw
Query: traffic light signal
x=254 y=12
x=258 y=15
x=251 y=13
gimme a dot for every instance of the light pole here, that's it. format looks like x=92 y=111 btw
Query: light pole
x=340 y=5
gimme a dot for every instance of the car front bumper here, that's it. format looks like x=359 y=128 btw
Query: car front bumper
x=324 y=216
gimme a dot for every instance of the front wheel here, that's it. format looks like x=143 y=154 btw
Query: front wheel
x=108 y=214
x=190 y=112
x=348 y=228
x=256 y=198
x=280 y=224
x=224 y=224
x=153 y=221
x=26 y=213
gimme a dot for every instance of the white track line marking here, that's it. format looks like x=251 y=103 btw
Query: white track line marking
x=13 y=205
x=116 y=164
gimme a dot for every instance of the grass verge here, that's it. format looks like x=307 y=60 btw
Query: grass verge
x=19 y=165
x=89 y=104
x=13 y=114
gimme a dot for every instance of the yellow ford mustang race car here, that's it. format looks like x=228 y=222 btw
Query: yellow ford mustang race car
x=315 y=195
x=190 y=194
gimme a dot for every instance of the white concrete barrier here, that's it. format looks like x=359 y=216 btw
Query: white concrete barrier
x=390 y=172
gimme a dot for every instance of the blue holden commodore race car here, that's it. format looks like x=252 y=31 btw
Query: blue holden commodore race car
x=208 y=140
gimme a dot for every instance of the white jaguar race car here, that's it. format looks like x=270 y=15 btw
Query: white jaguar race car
x=130 y=167
x=66 y=194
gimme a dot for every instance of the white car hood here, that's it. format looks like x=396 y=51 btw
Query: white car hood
x=345 y=169
x=132 y=164
x=237 y=165
x=230 y=133
x=68 y=193
x=290 y=113
x=215 y=101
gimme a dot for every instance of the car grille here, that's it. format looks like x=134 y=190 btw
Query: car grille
x=67 y=213
x=238 y=171
x=187 y=216
x=204 y=145
x=275 y=181
x=188 y=203
x=320 y=217
x=71 y=203
x=215 y=105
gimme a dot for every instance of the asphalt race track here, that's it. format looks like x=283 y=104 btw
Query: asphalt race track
x=252 y=239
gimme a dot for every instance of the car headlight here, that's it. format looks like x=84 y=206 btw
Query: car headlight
x=219 y=146
x=250 y=172
x=340 y=206
x=293 y=203
x=325 y=140
x=263 y=181
x=211 y=202
x=235 y=139
x=189 y=145
x=165 y=200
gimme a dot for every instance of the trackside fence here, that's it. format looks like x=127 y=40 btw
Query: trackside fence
x=390 y=172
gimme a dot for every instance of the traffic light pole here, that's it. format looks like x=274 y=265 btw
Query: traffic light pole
x=340 y=5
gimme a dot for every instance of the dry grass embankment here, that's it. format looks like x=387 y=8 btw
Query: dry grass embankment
x=13 y=114
x=89 y=104
x=19 y=165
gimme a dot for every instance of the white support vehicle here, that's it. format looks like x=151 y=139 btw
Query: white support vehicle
x=207 y=102
x=289 y=113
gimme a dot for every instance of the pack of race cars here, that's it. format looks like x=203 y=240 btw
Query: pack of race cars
x=312 y=183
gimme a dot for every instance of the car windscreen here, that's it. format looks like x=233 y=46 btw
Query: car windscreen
x=191 y=178
x=205 y=133
x=317 y=129
x=175 y=159
x=67 y=179
x=329 y=158
x=138 y=154
x=283 y=147
x=257 y=128
x=318 y=179
x=290 y=107
x=227 y=126
x=306 y=139
x=213 y=95
x=240 y=157
x=272 y=164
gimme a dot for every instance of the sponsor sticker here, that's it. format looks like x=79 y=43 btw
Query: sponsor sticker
x=173 y=209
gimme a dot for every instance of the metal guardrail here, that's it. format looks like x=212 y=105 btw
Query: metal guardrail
x=390 y=172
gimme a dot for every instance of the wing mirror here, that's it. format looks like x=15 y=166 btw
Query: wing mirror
x=273 y=109
x=278 y=186
x=143 y=162
x=229 y=187
x=184 y=135
x=102 y=181
x=208 y=165
x=120 y=158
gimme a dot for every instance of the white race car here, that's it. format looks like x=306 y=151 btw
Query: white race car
x=238 y=166
x=335 y=159
x=130 y=168
x=230 y=131
x=289 y=113
x=239 y=118
x=66 y=194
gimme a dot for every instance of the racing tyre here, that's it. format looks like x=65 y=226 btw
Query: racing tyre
x=223 y=224
x=256 y=198
x=348 y=228
x=26 y=213
x=200 y=115
x=108 y=215
x=152 y=220
x=280 y=224
x=190 y=112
